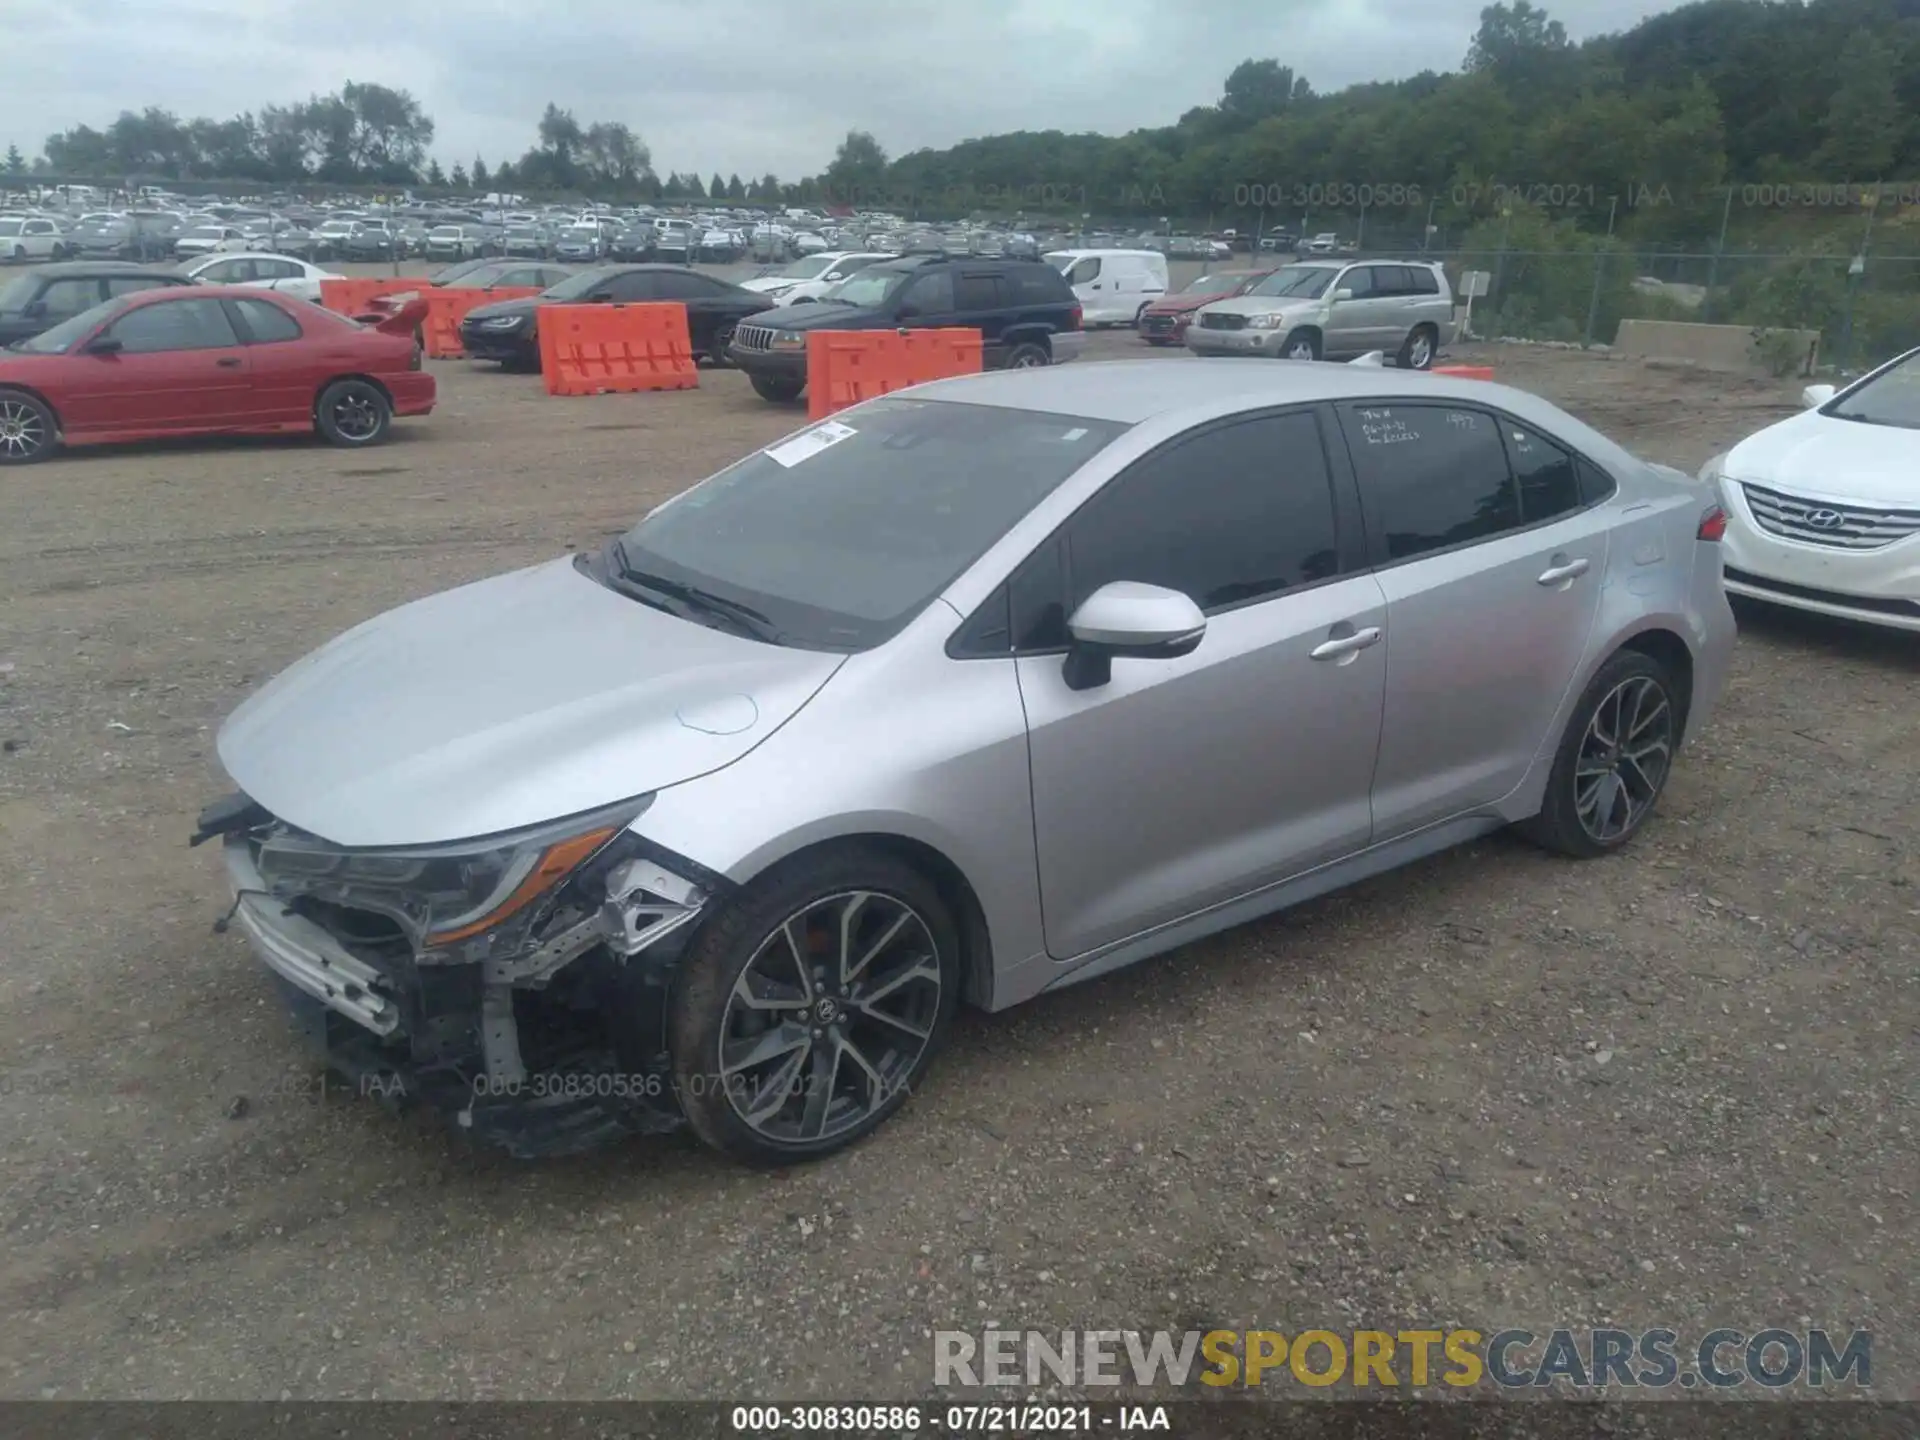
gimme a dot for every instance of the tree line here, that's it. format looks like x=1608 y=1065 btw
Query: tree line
x=1768 y=93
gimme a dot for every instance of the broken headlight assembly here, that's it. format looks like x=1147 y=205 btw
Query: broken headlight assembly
x=467 y=901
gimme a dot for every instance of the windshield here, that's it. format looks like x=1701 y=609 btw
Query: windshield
x=842 y=534
x=11 y=227
x=1224 y=283
x=1303 y=281
x=577 y=287
x=1890 y=398
x=868 y=287
x=64 y=336
x=806 y=269
x=18 y=291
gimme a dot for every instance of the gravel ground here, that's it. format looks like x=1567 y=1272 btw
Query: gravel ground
x=1499 y=1089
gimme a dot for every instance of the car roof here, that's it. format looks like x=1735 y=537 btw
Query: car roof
x=1131 y=391
x=1110 y=253
x=68 y=269
x=247 y=255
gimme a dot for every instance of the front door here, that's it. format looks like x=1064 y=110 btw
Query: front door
x=1183 y=783
x=180 y=367
x=1492 y=571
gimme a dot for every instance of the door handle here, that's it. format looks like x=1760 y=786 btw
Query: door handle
x=230 y=362
x=1345 y=645
x=1563 y=570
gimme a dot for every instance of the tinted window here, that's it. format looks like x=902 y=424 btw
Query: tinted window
x=1549 y=484
x=1595 y=484
x=979 y=292
x=931 y=293
x=118 y=285
x=1237 y=513
x=683 y=285
x=1037 y=285
x=174 y=325
x=634 y=285
x=267 y=322
x=1430 y=475
x=1360 y=282
x=843 y=534
x=1084 y=270
x=69 y=297
x=1425 y=282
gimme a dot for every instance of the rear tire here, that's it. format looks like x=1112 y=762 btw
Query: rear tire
x=867 y=923
x=1418 y=349
x=28 y=431
x=1139 y=315
x=353 y=414
x=1614 y=760
x=780 y=389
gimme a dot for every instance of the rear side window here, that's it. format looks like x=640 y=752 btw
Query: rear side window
x=266 y=323
x=1425 y=282
x=1549 y=483
x=1039 y=285
x=979 y=292
x=1431 y=476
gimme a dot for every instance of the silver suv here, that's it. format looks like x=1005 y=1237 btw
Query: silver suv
x=1334 y=310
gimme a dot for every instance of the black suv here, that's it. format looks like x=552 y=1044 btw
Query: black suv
x=42 y=298
x=1024 y=310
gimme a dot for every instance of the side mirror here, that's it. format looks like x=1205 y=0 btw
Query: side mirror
x=1132 y=620
x=1814 y=396
x=1343 y=293
x=105 y=345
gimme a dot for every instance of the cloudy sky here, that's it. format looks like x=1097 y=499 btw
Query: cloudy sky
x=741 y=86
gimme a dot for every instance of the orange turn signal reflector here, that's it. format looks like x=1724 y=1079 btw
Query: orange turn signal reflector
x=554 y=866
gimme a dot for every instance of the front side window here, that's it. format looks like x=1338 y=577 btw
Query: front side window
x=63 y=298
x=841 y=535
x=1431 y=476
x=931 y=293
x=1239 y=513
x=169 y=325
x=226 y=272
x=1084 y=271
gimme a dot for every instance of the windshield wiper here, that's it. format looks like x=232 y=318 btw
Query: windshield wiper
x=648 y=588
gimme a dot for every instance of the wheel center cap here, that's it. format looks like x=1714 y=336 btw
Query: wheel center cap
x=826 y=1009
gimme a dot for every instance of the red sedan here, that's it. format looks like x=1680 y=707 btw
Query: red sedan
x=208 y=360
x=1164 y=322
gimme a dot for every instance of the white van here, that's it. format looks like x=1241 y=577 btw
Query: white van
x=1112 y=286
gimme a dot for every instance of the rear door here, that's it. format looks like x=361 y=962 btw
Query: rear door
x=284 y=374
x=1491 y=562
x=180 y=368
x=983 y=301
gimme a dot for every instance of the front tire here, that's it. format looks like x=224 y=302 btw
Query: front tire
x=353 y=414
x=28 y=431
x=717 y=349
x=780 y=389
x=1301 y=345
x=811 y=1005
x=1613 y=762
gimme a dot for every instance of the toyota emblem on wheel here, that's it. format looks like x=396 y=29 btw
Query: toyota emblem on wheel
x=1825 y=519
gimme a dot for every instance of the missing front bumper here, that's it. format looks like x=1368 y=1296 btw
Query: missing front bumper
x=553 y=1050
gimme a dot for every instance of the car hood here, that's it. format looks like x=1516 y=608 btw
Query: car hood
x=823 y=315
x=1182 y=304
x=524 y=306
x=1259 y=304
x=1828 y=459
x=762 y=284
x=502 y=704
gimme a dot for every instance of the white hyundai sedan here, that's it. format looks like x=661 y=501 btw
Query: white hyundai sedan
x=1824 y=509
x=289 y=276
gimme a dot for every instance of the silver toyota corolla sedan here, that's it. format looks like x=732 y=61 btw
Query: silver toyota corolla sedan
x=968 y=693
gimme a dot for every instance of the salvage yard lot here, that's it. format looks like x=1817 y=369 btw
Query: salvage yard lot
x=1672 y=1088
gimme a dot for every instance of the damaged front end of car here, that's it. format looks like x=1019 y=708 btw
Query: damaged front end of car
x=516 y=983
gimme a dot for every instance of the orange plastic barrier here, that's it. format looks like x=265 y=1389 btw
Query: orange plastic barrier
x=350 y=297
x=1464 y=372
x=448 y=306
x=615 y=349
x=845 y=367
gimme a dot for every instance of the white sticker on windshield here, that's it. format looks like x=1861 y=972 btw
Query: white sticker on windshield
x=809 y=443
x=1077 y=433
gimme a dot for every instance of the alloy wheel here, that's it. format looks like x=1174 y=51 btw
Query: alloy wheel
x=1300 y=350
x=356 y=414
x=23 y=430
x=1624 y=758
x=1420 y=350
x=829 y=1017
